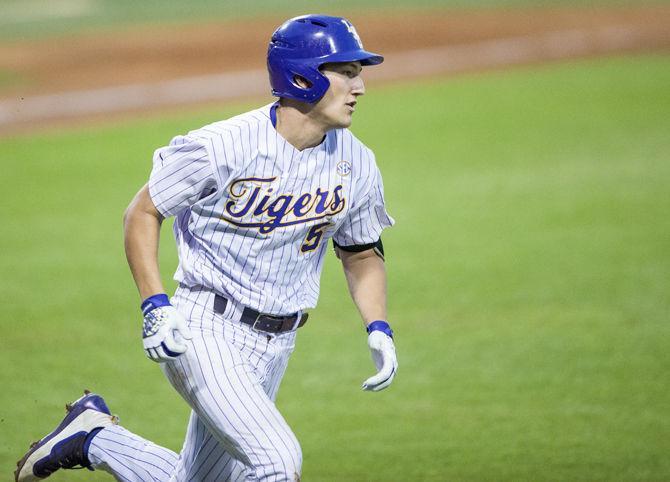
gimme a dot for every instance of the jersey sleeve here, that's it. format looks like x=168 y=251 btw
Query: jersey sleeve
x=367 y=218
x=182 y=174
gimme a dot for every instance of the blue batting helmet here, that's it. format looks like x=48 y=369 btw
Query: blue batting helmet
x=302 y=44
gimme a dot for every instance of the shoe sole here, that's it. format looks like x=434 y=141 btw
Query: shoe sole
x=80 y=418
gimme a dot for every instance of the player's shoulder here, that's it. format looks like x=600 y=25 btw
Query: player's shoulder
x=234 y=126
x=357 y=149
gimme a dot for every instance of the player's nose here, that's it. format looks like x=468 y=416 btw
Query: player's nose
x=358 y=86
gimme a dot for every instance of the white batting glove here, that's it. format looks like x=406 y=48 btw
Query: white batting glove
x=164 y=329
x=382 y=349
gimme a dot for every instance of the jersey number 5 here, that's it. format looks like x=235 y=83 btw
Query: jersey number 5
x=313 y=237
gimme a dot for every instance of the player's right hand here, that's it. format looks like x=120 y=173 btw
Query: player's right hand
x=164 y=331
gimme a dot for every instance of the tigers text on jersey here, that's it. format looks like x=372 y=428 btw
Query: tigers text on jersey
x=254 y=214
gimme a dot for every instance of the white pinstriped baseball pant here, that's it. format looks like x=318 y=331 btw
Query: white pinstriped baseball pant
x=229 y=376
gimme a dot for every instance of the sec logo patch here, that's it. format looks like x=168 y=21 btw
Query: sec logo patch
x=343 y=168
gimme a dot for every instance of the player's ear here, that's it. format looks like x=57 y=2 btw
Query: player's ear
x=301 y=82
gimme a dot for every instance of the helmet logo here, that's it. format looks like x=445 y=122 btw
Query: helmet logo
x=352 y=31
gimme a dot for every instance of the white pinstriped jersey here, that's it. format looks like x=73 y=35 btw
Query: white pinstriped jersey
x=254 y=214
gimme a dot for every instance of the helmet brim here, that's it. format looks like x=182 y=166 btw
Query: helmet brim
x=362 y=56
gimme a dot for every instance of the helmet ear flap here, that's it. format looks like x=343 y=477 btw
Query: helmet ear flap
x=305 y=83
x=301 y=82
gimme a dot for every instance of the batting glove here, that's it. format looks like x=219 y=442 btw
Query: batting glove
x=380 y=341
x=164 y=329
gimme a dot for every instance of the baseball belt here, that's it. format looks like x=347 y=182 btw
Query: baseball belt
x=263 y=321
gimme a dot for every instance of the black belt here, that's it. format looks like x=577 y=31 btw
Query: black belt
x=262 y=321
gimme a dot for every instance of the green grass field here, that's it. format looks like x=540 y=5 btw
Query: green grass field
x=529 y=285
x=22 y=19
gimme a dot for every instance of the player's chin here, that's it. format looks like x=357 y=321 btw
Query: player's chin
x=340 y=121
x=345 y=120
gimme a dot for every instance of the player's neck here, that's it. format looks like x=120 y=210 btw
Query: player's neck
x=296 y=126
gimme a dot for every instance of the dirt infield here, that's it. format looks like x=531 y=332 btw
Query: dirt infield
x=135 y=64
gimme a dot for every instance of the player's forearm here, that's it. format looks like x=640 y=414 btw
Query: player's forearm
x=141 y=224
x=366 y=277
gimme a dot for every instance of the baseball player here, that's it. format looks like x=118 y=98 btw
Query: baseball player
x=256 y=199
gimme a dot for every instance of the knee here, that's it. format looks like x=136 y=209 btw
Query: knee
x=291 y=464
x=285 y=464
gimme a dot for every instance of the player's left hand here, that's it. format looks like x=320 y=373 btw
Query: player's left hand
x=382 y=349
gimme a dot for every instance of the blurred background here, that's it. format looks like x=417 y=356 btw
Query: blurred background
x=525 y=148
